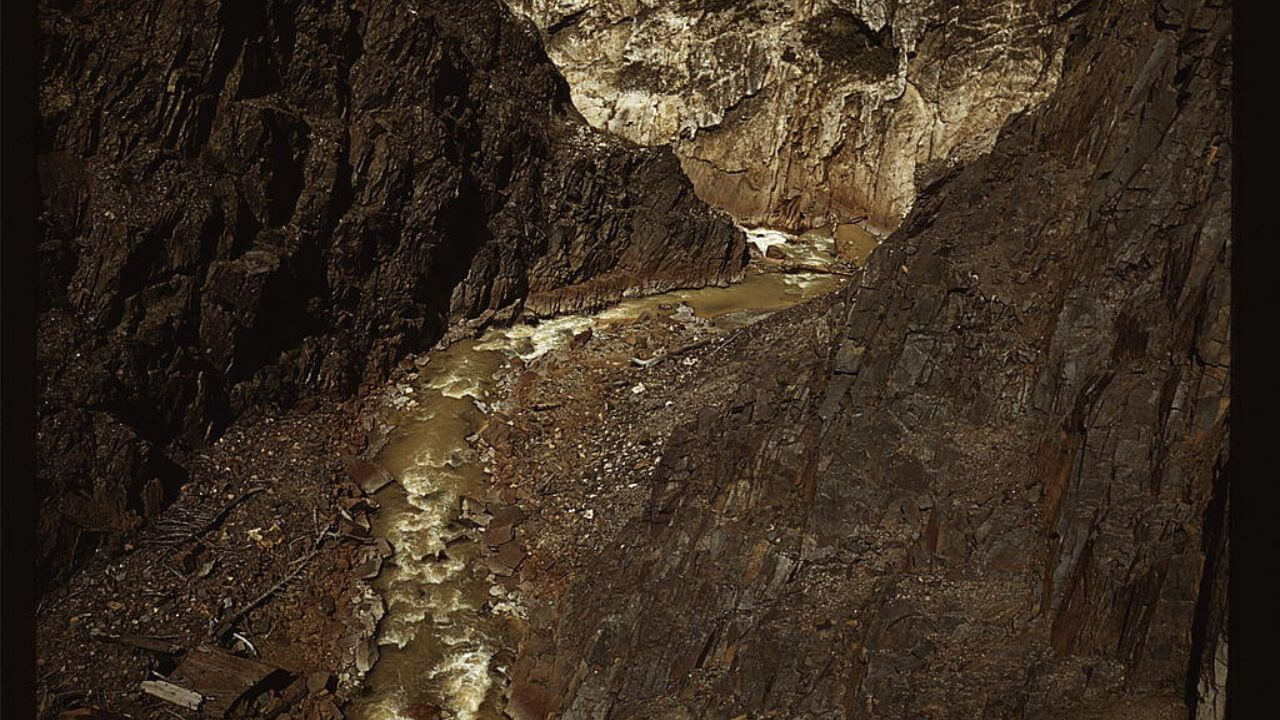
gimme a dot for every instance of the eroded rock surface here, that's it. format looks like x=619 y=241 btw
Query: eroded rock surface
x=799 y=113
x=988 y=480
x=248 y=203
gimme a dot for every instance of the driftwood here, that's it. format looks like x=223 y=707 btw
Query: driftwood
x=185 y=524
x=224 y=679
x=228 y=626
x=155 y=645
x=795 y=267
x=649 y=362
x=171 y=693
x=664 y=355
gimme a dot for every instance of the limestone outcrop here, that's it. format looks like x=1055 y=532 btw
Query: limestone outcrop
x=801 y=113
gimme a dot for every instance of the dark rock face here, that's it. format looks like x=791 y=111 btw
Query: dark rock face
x=248 y=203
x=989 y=480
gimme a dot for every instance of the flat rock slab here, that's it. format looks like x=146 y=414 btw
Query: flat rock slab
x=528 y=702
x=497 y=535
x=501 y=528
x=370 y=476
x=506 y=560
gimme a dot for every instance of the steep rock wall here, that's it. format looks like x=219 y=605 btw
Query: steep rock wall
x=248 y=203
x=987 y=481
x=798 y=113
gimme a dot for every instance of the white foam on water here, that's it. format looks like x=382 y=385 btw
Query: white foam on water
x=457 y=384
x=531 y=342
x=466 y=679
x=432 y=599
x=801 y=280
x=764 y=238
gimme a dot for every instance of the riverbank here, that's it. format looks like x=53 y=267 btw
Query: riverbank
x=281 y=523
x=454 y=591
x=270 y=515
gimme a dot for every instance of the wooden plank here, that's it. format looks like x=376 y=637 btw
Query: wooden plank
x=171 y=693
x=224 y=679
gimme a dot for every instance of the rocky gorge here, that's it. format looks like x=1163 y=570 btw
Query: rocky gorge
x=981 y=472
x=985 y=480
x=254 y=205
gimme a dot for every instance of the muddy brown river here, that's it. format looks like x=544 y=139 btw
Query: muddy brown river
x=447 y=637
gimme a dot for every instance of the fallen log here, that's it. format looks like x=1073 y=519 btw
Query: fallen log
x=664 y=355
x=155 y=645
x=793 y=267
x=228 y=626
x=171 y=693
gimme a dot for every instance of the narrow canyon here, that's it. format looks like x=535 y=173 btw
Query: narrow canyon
x=572 y=359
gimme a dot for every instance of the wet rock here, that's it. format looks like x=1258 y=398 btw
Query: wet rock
x=506 y=560
x=501 y=528
x=320 y=681
x=581 y=339
x=358 y=505
x=355 y=526
x=384 y=548
x=366 y=654
x=369 y=568
x=325 y=709
x=496 y=534
x=369 y=476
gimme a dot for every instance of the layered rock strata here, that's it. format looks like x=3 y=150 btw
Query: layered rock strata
x=988 y=480
x=252 y=203
x=800 y=113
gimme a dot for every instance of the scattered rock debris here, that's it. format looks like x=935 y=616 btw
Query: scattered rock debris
x=248 y=597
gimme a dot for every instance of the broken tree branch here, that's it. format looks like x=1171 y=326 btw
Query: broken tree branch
x=139 y=641
x=664 y=355
x=794 y=267
x=228 y=625
x=182 y=526
x=222 y=514
x=171 y=693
